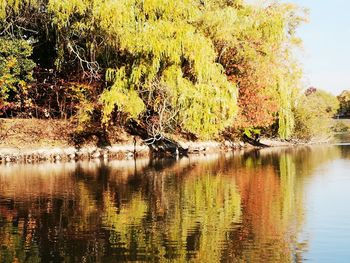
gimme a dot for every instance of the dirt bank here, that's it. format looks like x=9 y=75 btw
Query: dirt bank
x=33 y=140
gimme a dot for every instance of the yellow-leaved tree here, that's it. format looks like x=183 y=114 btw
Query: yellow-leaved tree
x=195 y=66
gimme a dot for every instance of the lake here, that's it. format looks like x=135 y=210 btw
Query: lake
x=272 y=205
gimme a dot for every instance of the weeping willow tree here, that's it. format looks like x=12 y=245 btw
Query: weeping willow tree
x=287 y=73
x=158 y=62
x=171 y=65
x=288 y=92
x=256 y=52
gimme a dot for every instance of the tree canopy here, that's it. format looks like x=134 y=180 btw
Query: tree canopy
x=198 y=67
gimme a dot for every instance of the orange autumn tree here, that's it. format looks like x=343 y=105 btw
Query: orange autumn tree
x=269 y=75
x=256 y=54
x=257 y=106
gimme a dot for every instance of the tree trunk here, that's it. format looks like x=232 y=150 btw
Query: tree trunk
x=254 y=141
x=159 y=145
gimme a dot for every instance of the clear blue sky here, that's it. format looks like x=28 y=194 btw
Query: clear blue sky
x=326 y=52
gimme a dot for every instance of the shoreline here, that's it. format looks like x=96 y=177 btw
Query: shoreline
x=33 y=140
x=119 y=151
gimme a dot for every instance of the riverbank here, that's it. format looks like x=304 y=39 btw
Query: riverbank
x=115 y=151
x=34 y=140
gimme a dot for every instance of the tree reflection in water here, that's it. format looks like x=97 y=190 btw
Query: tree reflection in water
x=236 y=208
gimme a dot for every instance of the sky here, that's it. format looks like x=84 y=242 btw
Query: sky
x=326 y=50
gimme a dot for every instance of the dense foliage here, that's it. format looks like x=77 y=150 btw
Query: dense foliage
x=313 y=112
x=198 y=67
x=15 y=70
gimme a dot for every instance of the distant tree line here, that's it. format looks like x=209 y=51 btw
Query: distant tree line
x=344 y=100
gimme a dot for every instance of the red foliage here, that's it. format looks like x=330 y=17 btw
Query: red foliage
x=255 y=108
x=310 y=91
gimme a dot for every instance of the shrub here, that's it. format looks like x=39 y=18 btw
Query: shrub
x=313 y=114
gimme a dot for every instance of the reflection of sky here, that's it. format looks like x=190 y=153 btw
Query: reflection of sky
x=326 y=55
x=328 y=213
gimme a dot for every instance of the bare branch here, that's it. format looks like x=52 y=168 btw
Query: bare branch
x=92 y=66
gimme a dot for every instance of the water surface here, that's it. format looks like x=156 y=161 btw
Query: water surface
x=273 y=205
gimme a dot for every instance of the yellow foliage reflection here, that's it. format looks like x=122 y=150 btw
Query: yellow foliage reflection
x=242 y=207
x=197 y=217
